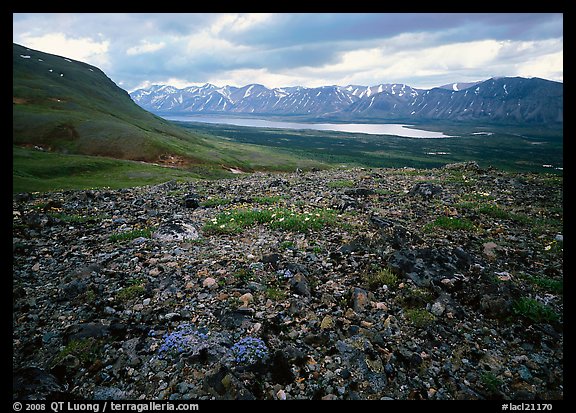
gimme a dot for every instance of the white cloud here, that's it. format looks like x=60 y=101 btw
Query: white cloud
x=238 y=22
x=407 y=63
x=548 y=66
x=145 y=47
x=81 y=48
x=206 y=42
x=176 y=82
x=423 y=67
x=241 y=77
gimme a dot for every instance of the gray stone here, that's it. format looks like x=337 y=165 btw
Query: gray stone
x=110 y=393
x=425 y=190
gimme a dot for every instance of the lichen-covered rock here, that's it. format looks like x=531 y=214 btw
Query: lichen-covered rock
x=176 y=230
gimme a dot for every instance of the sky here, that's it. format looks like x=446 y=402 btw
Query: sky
x=422 y=50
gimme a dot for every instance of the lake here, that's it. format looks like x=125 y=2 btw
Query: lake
x=369 y=128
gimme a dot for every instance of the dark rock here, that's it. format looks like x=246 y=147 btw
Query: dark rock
x=18 y=293
x=272 y=259
x=36 y=220
x=242 y=200
x=278 y=182
x=363 y=361
x=316 y=339
x=280 y=368
x=346 y=202
x=353 y=330
x=395 y=234
x=427 y=265
x=495 y=306
x=166 y=186
x=20 y=248
x=33 y=383
x=299 y=285
x=110 y=393
x=389 y=369
x=213 y=380
x=191 y=201
x=328 y=335
x=118 y=330
x=49 y=336
x=415 y=360
x=294 y=355
x=358 y=245
x=73 y=289
x=359 y=299
x=297 y=307
x=223 y=383
x=23 y=197
x=296 y=268
x=52 y=204
x=235 y=319
x=85 y=330
x=375 y=337
x=382 y=222
x=31 y=345
x=359 y=192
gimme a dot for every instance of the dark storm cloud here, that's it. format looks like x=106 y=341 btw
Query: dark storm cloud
x=293 y=29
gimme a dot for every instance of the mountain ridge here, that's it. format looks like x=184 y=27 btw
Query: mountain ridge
x=507 y=100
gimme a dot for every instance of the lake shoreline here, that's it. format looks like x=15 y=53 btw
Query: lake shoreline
x=396 y=129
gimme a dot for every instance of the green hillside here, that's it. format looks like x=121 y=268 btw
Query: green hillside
x=69 y=107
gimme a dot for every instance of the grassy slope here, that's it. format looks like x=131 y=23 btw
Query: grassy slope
x=70 y=107
x=46 y=171
x=34 y=170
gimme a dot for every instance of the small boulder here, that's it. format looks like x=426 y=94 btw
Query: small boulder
x=176 y=230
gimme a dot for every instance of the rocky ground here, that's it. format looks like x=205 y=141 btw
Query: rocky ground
x=342 y=284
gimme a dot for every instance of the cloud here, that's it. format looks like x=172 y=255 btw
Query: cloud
x=427 y=67
x=237 y=23
x=361 y=66
x=546 y=66
x=79 y=48
x=419 y=49
x=206 y=43
x=241 y=77
x=145 y=47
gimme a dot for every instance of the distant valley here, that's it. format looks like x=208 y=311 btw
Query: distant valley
x=502 y=101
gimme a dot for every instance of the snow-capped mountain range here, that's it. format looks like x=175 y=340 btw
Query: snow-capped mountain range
x=512 y=100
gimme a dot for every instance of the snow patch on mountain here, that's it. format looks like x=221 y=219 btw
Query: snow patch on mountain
x=486 y=100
